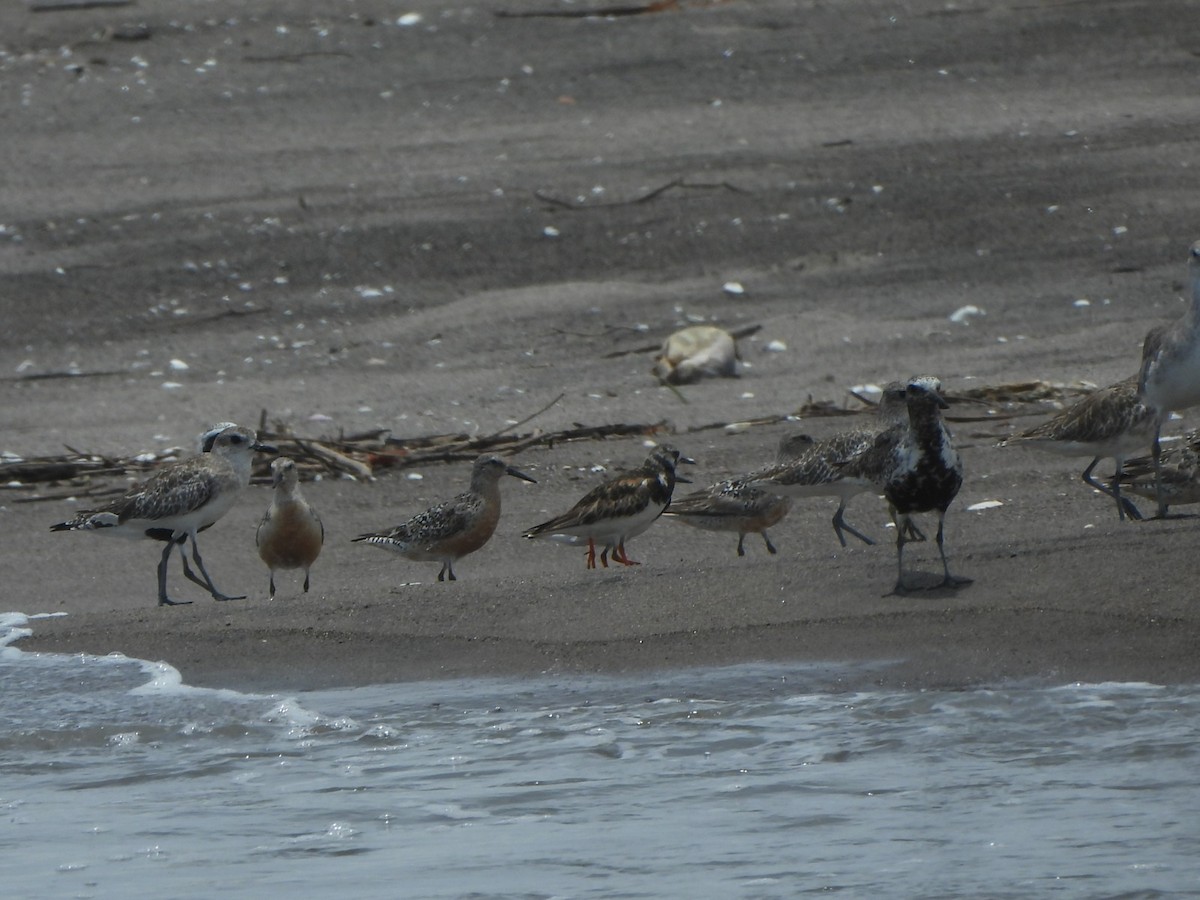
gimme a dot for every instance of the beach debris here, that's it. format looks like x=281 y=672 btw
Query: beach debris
x=371 y=453
x=963 y=314
x=695 y=352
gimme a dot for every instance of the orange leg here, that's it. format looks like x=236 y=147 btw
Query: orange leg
x=623 y=557
x=604 y=557
x=591 y=554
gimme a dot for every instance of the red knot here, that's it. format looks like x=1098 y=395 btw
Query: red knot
x=449 y=531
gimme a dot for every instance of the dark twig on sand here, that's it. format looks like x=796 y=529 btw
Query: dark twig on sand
x=641 y=198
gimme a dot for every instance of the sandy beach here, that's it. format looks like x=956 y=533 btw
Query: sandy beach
x=437 y=219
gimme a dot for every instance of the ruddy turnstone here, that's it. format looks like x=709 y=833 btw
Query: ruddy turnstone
x=180 y=500
x=449 y=531
x=290 y=534
x=816 y=468
x=917 y=467
x=1112 y=421
x=616 y=510
x=1170 y=376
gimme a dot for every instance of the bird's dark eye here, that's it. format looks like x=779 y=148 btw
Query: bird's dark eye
x=236 y=439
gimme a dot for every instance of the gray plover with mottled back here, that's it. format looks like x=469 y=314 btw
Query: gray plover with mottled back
x=617 y=510
x=817 y=468
x=1170 y=376
x=917 y=467
x=290 y=534
x=1110 y=422
x=180 y=500
x=447 y=532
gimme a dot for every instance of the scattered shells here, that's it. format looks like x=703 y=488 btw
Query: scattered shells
x=963 y=313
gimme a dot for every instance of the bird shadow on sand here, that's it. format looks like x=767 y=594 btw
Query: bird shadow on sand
x=929 y=584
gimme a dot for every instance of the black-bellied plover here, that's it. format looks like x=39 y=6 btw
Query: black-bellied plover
x=290 y=534
x=1170 y=374
x=816 y=468
x=732 y=505
x=917 y=467
x=616 y=510
x=1112 y=421
x=449 y=531
x=179 y=500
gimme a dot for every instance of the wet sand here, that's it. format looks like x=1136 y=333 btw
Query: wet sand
x=441 y=226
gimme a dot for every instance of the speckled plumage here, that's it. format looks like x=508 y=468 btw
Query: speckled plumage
x=732 y=505
x=616 y=510
x=917 y=467
x=180 y=500
x=1180 y=471
x=449 y=531
x=290 y=534
x=1112 y=421
x=816 y=468
x=1170 y=375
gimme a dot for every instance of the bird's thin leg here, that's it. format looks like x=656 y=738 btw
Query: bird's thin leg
x=766 y=540
x=306 y=581
x=272 y=581
x=840 y=525
x=1156 y=453
x=1124 y=504
x=1122 y=501
x=187 y=570
x=212 y=588
x=623 y=558
x=591 y=554
x=901 y=537
x=741 y=543
x=442 y=572
x=948 y=580
x=163 y=599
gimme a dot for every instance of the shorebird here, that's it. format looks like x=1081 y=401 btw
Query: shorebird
x=617 y=510
x=1112 y=421
x=917 y=467
x=290 y=534
x=1180 y=474
x=817 y=468
x=449 y=531
x=180 y=500
x=732 y=505
x=1170 y=376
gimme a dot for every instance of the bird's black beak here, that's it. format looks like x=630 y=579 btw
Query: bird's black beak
x=517 y=473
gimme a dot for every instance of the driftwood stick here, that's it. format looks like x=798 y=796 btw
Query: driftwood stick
x=530 y=416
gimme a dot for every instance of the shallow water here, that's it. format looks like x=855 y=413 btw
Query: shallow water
x=733 y=782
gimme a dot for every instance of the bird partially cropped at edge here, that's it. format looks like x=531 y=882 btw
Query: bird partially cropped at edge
x=617 y=510
x=1177 y=478
x=180 y=500
x=290 y=534
x=447 y=532
x=1112 y=421
x=1170 y=375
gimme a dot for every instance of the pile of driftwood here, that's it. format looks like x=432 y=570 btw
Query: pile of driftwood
x=366 y=455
